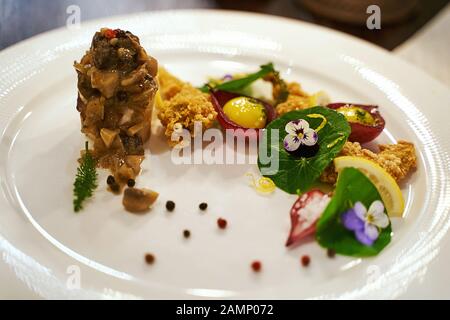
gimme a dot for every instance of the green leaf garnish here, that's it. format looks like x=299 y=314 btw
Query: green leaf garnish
x=352 y=186
x=240 y=84
x=283 y=91
x=85 y=180
x=297 y=175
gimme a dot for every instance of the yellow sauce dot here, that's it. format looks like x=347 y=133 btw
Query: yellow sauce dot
x=262 y=185
x=246 y=112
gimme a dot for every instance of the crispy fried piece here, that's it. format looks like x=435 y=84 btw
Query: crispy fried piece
x=169 y=85
x=183 y=105
x=397 y=159
x=298 y=99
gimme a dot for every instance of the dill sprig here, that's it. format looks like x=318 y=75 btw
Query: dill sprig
x=85 y=180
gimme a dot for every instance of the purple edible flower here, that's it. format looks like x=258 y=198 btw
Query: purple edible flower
x=299 y=133
x=366 y=223
x=227 y=77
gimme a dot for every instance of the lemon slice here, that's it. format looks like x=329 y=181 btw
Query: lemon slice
x=387 y=187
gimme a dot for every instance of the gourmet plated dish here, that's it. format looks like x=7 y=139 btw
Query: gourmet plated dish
x=323 y=152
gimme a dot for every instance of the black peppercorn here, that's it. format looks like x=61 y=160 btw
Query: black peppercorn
x=110 y=180
x=170 y=205
x=186 y=234
x=131 y=183
x=331 y=253
x=203 y=206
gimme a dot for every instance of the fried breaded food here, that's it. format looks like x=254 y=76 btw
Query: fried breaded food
x=297 y=99
x=169 y=85
x=397 y=159
x=183 y=104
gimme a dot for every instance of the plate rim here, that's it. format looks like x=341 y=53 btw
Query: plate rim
x=50 y=34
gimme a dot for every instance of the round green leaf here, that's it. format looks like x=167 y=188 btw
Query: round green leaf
x=352 y=186
x=294 y=174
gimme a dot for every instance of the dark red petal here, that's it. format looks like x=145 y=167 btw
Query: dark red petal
x=363 y=133
x=298 y=232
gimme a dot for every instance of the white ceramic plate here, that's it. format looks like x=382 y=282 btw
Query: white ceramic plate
x=45 y=244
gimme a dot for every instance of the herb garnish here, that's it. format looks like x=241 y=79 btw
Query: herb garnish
x=352 y=187
x=297 y=174
x=283 y=91
x=85 y=180
x=240 y=84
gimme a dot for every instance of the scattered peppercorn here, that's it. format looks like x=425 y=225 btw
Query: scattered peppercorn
x=186 y=234
x=110 y=180
x=256 y=266
x=331 y=253
x=222 y=223
x=203 y=206
x=149 y=258
x=306 y=260
x=170 y=206
x=131 y=183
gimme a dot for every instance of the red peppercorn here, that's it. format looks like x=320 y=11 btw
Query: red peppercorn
x=256 y=266
x=306 y=260
x=110 y=34
x=222 y=223
x=150 y=258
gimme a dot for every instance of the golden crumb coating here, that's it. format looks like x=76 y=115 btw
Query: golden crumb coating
x=183 y=104
x=292 y=103
x=298 y=99
x=397 y=159
x=169 y=85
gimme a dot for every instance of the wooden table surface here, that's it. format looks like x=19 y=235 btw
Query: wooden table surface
x=21 y=19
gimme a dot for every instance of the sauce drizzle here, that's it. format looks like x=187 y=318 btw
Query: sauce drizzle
x=319 y=116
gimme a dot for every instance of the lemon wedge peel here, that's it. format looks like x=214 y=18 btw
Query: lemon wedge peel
x=386 y=185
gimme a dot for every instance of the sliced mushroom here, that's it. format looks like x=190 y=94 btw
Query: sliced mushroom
x=105 y=81
x=134 y=162
x=95 y=111
x=108 y=136
x=135 y=76
x=127 y=116
x=125 y=172
x=136 y=129
x=138 y=200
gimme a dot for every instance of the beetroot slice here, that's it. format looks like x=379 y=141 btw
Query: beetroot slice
x=301 y=226
x=219 y=98
x=362 y=133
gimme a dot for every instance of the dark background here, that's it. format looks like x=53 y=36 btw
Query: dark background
x=21 y=19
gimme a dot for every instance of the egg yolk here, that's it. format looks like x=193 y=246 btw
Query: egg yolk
x=246 y=112
x=357 y=115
